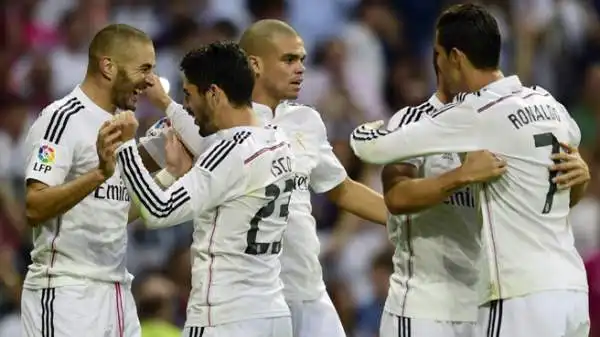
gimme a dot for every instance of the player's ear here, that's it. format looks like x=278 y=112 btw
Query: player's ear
x=456 y=57
x=107 y=68
x=256 y=64
x=213 y=95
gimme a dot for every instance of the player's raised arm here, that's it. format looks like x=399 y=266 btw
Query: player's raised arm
x=199 y=189
x=452 y=129
x=178 y=118
x=51 y=157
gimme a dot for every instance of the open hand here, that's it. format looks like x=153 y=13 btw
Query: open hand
x=571 y=167
x=179 y=159
x=482 y=166
x=109 y=139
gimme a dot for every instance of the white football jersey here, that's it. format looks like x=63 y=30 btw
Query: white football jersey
x=527 y=238
x=317 y=167
x=437 y=249
x=238 y=194
x=89 y=240
x=154 y=139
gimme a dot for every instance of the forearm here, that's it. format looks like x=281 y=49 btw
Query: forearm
x=359 y=200
x=456 y=133
x=49 y=202
x=157 y=208
x=577 y=193
x=162 y=179
x=413 y=195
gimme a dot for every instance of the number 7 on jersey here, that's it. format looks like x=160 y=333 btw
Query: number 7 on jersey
x=543 y=140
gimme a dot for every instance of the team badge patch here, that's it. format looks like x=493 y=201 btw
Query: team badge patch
x=47 y=154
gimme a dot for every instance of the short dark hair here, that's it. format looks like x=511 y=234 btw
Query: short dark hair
x=471 y=29
x=114 y=40
x=223 y=64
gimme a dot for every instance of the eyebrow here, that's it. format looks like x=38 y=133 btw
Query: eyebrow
x=293 y=56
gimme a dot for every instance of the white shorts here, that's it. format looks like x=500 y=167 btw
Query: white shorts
x=398 y=326
x=92 y=310
x=560 y=313
x=259 y=327
x=316 y=318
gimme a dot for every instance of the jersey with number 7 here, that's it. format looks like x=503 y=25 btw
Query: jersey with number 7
x=527 y=238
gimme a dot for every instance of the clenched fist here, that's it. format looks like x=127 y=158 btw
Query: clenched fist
x=127 y=123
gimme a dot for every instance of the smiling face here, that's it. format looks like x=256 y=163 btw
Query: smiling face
x=197 y=105
x=133 y=76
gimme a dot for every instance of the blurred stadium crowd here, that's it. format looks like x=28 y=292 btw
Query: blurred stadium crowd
x=367 y=59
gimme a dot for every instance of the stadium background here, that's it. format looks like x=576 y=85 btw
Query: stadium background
x=367 y=58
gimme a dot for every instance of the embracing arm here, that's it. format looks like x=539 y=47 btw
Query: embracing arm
x=452 y=129
x=405 y=193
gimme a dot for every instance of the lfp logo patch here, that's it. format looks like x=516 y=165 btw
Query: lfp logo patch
x=46 y=154
x=159 y=127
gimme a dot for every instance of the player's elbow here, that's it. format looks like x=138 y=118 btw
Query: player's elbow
x=34 y=212
x=398 y=204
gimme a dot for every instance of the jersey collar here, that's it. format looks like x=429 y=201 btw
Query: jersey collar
x=435 y=102
x=88 y=103
x=264 y=112
x=505 y=85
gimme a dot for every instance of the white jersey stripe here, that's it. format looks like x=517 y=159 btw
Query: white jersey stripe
x=156 y=206
x=220 y=152
x=60 y=118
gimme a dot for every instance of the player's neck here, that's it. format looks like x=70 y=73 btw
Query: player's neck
x=237 y=117
x=441 y=96
x=98 y=93
x=260 y=96
x=482 y=79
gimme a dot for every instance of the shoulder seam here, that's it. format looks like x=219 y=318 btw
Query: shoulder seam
x=217 y=154
x=241 y=136
x=445 y=108
x=60 y=119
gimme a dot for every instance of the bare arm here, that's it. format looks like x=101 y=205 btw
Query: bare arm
x=577 y=193
x=43 y=202
x=359 y=200
x=405 y=193
x=574 y=172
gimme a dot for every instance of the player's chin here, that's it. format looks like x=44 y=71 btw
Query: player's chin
x=131 y=102
x=292 y=94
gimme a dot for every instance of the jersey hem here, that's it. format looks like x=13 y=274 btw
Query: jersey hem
x=214 y=322
x=532 y=292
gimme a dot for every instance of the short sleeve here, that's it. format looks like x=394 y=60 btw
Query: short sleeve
x=396 y=121
x=329 y=172
x=454 y=128
x=50 y=155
